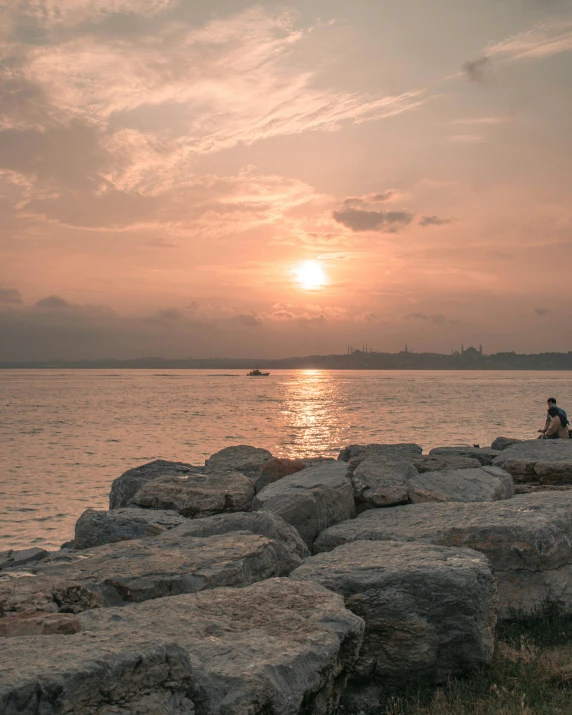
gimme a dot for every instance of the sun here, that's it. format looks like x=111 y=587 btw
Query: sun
x=310 y=275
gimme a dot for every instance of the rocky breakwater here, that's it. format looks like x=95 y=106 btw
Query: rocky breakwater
x=538 y=462
x=196 y=592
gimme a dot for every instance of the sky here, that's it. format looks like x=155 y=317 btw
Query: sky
x=195 y=178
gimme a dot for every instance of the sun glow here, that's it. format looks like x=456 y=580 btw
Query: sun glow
x=310 y=275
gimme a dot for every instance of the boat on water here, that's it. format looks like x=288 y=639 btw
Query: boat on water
x=257 y=373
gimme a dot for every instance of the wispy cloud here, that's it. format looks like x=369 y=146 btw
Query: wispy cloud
x=542 y=40
x=435 y=221
x=437 y=318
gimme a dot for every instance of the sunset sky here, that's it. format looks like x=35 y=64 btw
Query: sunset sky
x=168 y=167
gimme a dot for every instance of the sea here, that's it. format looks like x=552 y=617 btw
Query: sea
x=65 y=435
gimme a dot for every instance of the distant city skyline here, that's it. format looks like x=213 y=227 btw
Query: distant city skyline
x=224 y=177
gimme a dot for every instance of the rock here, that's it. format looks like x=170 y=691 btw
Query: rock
x=240 y=458
x=437 y=463
x=312 y=499
x=402 y=450
x=527 y=539
x=477 y=484
x=170 y=564
x=15 y=559
x=310 y=461
x=382 y=481
x=533 y=487
x=501 y=443
x=23 y=592
x=95 y=528
x=483 y=455
x=38 y=624
x=279 y=647
x=197 y=495
x=124 y=488
x=547 y=461
x=288 y=543
x=274 y=469
x=429 y=611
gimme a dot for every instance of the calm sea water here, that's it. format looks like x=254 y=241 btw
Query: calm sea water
x=64 y=436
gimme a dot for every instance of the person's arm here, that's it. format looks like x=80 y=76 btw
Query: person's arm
x=546 y=425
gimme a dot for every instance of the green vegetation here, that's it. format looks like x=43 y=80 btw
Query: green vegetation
x=531 y=675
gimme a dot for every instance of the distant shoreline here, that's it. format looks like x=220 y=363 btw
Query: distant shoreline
x=470 y=359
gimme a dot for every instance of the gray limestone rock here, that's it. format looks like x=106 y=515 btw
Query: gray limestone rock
x=274 y=469
x=197 y=495
x=279 y=647
x=144 y=569
x=126 y=486
x=501 y=443
x=312 y=499
x=239 y=458
x=403 y=450
x=527 y=539
x=477 y=484
x=429 y=611
x=95 y=528
x=24 y=592
x=287 y=541
x=380 y=480
x=437 y=463
x=483 y=455
x=544 y=460
x=15 y=559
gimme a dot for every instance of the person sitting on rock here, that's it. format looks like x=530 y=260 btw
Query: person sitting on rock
x=556 y=430
x=551 y=402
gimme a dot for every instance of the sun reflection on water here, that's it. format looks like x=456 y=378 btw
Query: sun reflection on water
x=312 y=413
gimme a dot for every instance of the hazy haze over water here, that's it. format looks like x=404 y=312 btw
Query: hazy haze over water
x=65 y=435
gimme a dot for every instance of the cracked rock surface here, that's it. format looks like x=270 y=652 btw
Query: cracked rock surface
x=311 y=500
x=429 y=611
x=124 y=488
x=465 y=485
x=95 y=528
x=527 y=539
x=279 y=647
x=197 y=495
x=139 y=570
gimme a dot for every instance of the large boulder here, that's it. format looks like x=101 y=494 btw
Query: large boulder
x=438 y=463
x=275 y=469
x=545 y=460
x=312 y=499
x=16 y=559
x=124 y=488
x=197 y=495
x=501 y=443
x=429 y=611
x=170 y=564
x=477 y=484
x=484 y=455
x=95 y=528
x=239 y=458
x=382 y=481
x=280 y=647
x=403 y=450
x=527 y=539
x=287 y=541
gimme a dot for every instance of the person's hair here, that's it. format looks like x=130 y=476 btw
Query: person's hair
x=551 y=399
x=553 y=412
